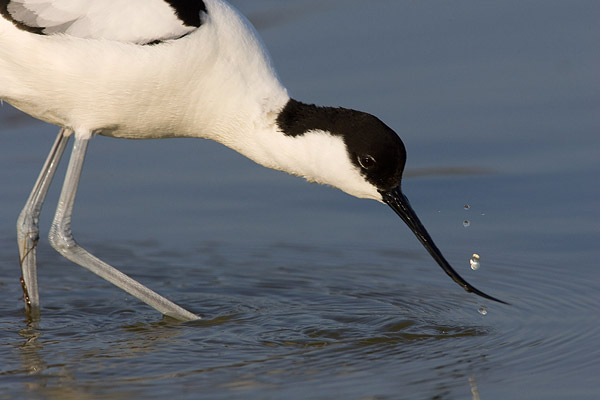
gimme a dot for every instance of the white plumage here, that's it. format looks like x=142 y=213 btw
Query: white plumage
x=185 y=87
x=142 y=69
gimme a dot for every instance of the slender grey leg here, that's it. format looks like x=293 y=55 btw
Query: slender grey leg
x=27 y=225
x=62 y=240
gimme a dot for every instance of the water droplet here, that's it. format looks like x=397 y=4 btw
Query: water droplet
x=466 y=223
x=467 y=206
x=474 y=261
x=482 y=310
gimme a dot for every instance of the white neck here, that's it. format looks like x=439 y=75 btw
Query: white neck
x=217 y=83
x=317 y=156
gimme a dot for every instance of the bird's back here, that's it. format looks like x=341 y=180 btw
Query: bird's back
x=179 y=80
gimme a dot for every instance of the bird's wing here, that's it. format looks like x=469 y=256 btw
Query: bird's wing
x=137 y=21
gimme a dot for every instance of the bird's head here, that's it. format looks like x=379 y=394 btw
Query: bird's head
x=359 y=154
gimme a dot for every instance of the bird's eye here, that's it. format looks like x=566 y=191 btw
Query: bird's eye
x=367 y=162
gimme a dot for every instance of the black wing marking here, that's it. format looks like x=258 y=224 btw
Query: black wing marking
x=137 y=21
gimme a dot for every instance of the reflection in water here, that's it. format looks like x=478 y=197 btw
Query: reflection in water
x=474 y=389
x=30 y=349
x=265 y=326
x=273 y=324
x=62 y=377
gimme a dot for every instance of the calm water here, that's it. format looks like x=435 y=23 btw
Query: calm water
x=308 y=293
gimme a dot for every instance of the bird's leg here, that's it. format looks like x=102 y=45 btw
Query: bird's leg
x=62 y=240
x=27 y=225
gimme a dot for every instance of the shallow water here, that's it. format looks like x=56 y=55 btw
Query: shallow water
x=306 y=292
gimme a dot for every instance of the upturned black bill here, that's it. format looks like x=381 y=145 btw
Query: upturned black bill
x=400 y=204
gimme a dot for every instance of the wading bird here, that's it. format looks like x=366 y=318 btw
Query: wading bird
x=144 y=69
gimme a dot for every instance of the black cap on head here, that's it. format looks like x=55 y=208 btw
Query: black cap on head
x=372 y=146
x=379 y=154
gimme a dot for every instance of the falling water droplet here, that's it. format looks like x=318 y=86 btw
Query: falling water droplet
x=482 y=310
x=467 y=206
x=474 y=261
x=466 y=223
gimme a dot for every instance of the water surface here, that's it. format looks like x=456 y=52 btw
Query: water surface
x=306 y=292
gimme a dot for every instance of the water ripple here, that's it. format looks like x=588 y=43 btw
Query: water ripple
x=293 y=314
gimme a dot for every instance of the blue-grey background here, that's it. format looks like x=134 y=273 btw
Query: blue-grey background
x=307 y=292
